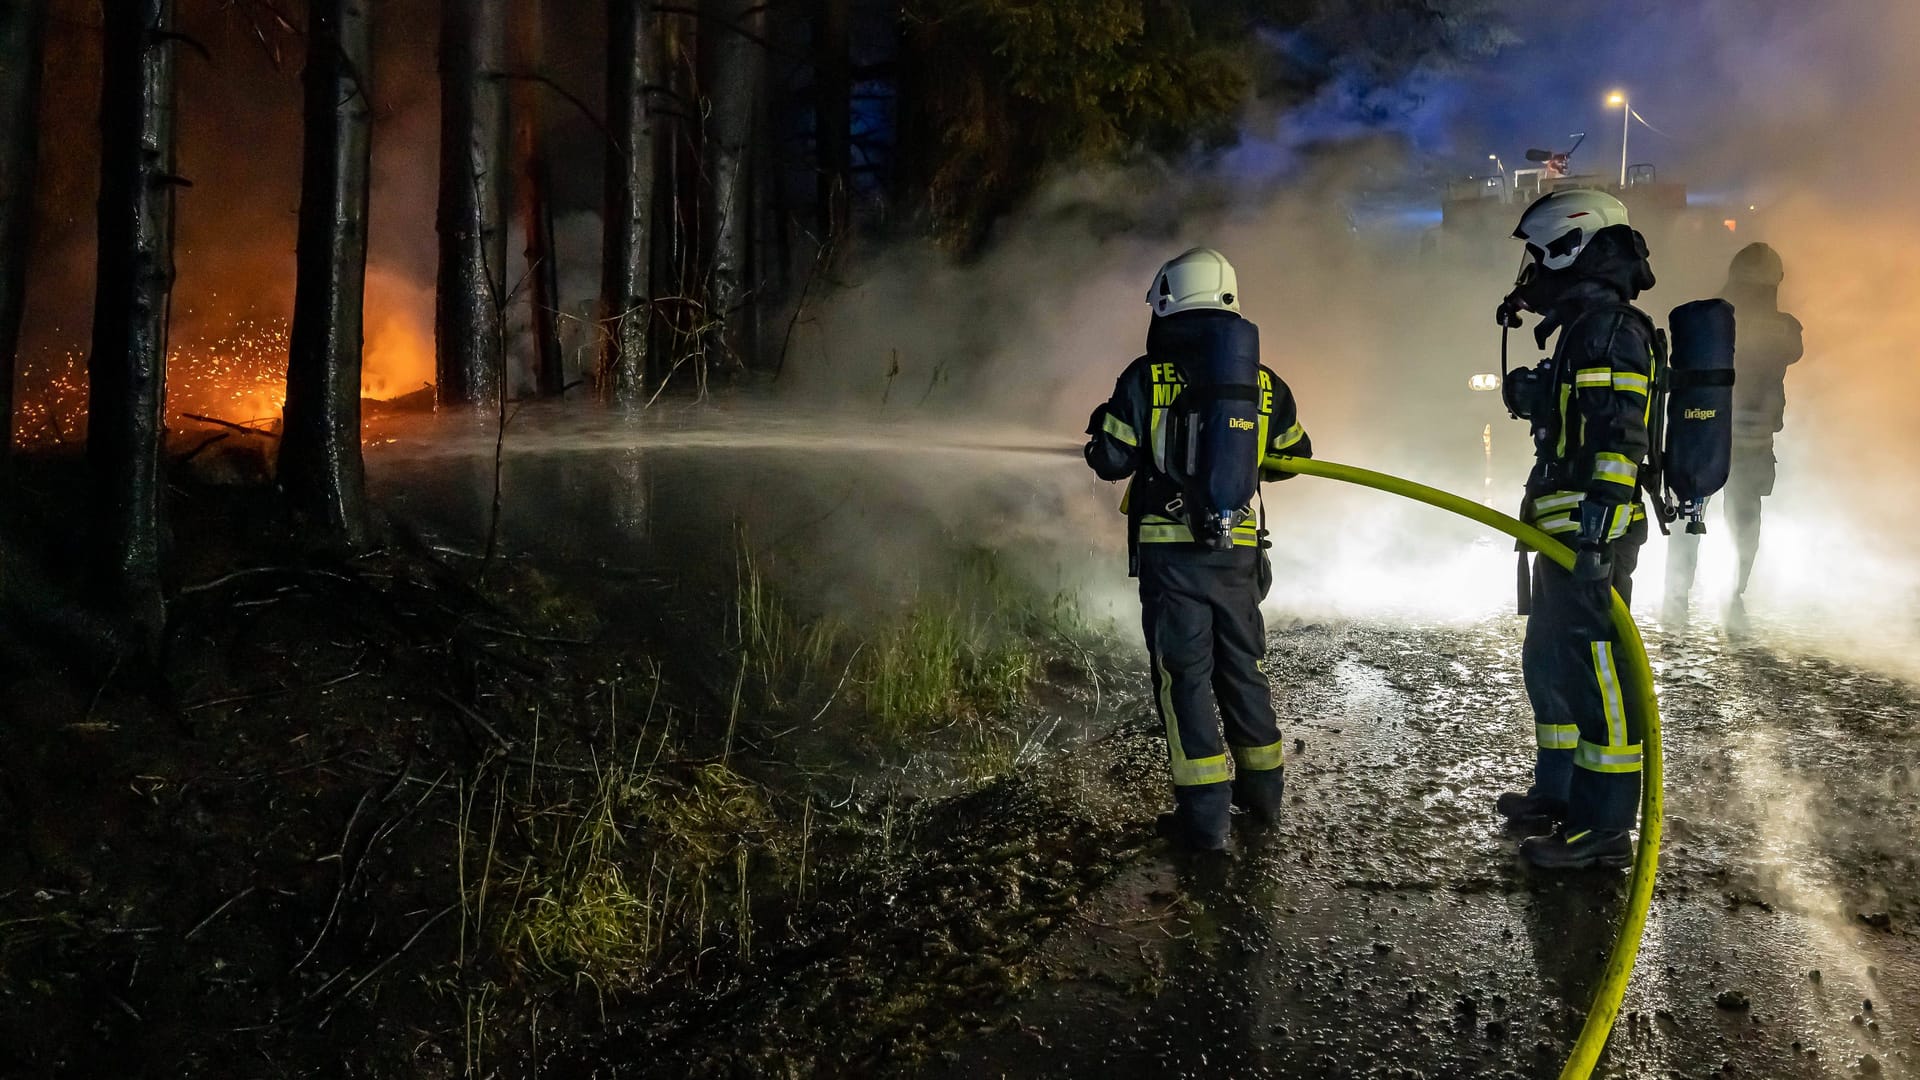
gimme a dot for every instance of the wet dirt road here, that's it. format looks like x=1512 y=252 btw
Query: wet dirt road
x=1385 y=928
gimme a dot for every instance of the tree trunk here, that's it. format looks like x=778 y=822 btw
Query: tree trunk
x=626 y=262
x=23 y=25
x=833 y=120
x=320 y=464
x=473 y=242
x=735 y=63
x=673 y=315
x=127 y=370
x=909 y=174
x=536 y=206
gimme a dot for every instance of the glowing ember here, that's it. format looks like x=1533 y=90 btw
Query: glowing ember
x=239 y=375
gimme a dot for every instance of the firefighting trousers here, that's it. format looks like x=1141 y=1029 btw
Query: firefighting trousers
x=1206 y=638
x=1750 y=480
x=1586 y=723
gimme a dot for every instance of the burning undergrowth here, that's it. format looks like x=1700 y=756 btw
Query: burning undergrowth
x=238 y=374
x=231 y=367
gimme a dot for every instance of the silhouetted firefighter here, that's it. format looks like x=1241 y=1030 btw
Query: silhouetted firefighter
x=473 y=241
x=126 y=372
x=320 y=464
x=627 y=209
x=23 y=26
x=1767 y=343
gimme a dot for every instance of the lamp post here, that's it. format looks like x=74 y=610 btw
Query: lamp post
x=1619 y=97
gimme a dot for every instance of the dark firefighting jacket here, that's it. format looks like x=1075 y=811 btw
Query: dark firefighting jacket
x=1766 y=343
x=1597 y=440
x=1128 y=437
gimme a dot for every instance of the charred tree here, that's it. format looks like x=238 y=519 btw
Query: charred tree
x=23 y=26
x=735 y=65
x=536 y=205
x=320 y=465
x=833 y=119
x=127 y=368
x=626 y=258
x=473 y=180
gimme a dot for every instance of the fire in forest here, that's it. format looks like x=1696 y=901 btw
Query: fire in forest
x=235 y=371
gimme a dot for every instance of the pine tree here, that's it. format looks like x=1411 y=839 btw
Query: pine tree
x=320 y=464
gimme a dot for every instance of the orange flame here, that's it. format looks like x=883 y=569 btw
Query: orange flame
x=238 y=372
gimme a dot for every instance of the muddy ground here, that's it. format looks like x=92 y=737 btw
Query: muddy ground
x=1385 y=928
x=267 y=865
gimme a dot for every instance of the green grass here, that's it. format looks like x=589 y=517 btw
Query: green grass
x=787 y=656
x=620 y=874
x=940 y=664
x=646 y=866
x=969 y=644
x=625 y=875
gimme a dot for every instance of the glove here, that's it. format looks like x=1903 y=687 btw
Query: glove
x=1097 y=422
x=1593 y=561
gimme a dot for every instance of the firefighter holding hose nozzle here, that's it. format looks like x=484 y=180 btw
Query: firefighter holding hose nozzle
x=1591 y=407
x=1193 y=425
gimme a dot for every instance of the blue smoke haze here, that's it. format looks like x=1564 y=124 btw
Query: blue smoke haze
x=1725 y=81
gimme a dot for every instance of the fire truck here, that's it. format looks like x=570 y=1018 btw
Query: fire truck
x=1477 y=214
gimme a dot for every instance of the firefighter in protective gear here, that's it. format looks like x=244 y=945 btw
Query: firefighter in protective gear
x=1200 y=605
x=1766 y=343
x=1583 y=267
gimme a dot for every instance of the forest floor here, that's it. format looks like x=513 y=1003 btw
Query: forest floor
x=599 y=808
x=428 y=812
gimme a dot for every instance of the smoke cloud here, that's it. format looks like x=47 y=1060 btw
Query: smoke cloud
x=1326 y=208
x=1791 y=109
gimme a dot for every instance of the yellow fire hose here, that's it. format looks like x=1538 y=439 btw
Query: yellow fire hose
x=1626 y=947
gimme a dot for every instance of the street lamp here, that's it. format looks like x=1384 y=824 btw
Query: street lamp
x=1619 y=97
x=1497 y=163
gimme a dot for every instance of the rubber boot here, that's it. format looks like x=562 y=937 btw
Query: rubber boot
x=1526 y=808
x=1673 y=615
x=1738 y=628
x=1260 y=795
x=1198 y=821
x=1578 y=850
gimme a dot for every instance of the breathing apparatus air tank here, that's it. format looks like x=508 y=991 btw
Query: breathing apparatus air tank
x=1697 y=448
x=1215 y=426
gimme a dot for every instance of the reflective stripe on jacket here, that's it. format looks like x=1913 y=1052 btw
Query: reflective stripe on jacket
x=1130 y=443
x=1605 y=367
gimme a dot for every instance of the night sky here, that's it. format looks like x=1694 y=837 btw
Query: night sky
x=1721 y=80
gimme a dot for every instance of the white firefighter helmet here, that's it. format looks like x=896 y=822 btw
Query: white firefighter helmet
x=1197 y=280
x=1560 y=224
